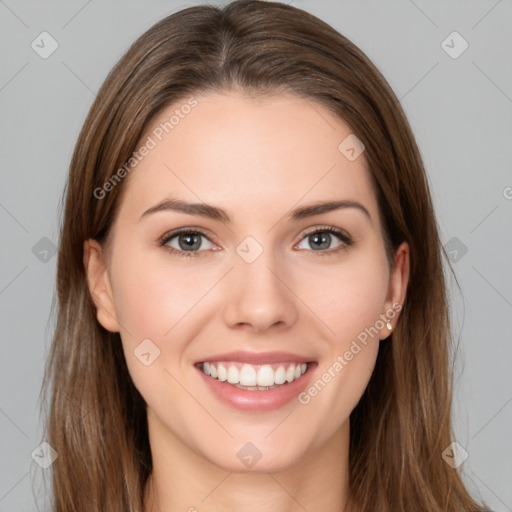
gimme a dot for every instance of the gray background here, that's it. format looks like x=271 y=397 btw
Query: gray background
x=459 y=108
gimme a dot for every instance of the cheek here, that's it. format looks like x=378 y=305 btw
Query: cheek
x=347 y=297
x=152 y=295
x=151 y=298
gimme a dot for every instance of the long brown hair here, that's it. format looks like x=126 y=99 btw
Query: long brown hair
x=96 y=417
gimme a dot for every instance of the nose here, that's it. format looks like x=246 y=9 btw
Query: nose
x=259 y=296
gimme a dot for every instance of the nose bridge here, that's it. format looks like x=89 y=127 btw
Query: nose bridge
x=257 y=295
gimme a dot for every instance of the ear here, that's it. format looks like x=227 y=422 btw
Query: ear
x=398 y=281
x=99 y=285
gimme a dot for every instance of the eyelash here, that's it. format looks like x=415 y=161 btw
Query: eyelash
x=345 y=239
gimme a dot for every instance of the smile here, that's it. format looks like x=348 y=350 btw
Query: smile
x=254 y=377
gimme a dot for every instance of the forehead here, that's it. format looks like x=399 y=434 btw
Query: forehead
x=260 y=154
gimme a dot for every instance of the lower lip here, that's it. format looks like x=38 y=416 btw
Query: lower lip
x=254 y=401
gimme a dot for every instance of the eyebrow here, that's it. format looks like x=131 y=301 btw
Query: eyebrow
x=216 y=213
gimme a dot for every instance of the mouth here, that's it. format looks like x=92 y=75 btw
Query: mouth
x=255 y=377
x=255 y=382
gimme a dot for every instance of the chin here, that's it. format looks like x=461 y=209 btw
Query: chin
x=273 y=465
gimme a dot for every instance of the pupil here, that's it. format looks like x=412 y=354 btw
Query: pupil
x=322 y=239
x=191 y=242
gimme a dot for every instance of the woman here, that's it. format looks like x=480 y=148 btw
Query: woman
x=252 y=305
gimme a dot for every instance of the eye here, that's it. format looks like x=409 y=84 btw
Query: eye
x=322 y=237
x=185 y=242
x=188 y=242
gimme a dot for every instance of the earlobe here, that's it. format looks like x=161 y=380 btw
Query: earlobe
x=399 y=280
x=99 y=285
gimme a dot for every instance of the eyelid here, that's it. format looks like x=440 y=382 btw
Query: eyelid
x=342 y=234
x=345 y=238
x=188 y=229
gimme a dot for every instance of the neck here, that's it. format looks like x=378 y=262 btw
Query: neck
x=184 y=480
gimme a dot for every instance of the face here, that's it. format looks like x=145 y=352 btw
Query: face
x=252 y=280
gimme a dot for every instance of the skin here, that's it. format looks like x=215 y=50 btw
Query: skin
x=257 y=159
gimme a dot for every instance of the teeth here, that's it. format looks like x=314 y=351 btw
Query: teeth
x=222 y=373
x=248 y=376
x=280 y=375
x=265 y=376
x=256 y=388
x=233 y=375
x=261 y=377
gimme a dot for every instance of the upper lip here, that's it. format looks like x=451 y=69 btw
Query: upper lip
x=257 y=357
